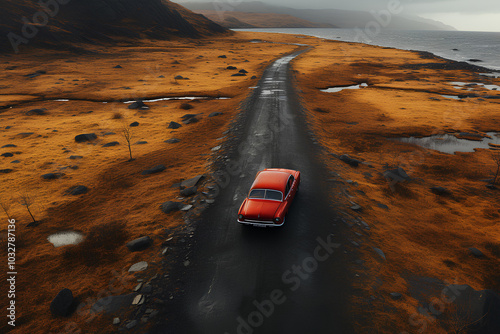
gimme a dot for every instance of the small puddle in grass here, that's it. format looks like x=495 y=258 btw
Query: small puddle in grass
x=472 y=85
x=450 y=144
x=341 y=88
x=65 y=238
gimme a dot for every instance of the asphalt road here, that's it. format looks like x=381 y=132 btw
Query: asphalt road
x=291 y=279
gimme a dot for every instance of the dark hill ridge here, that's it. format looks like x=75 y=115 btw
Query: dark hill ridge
x=63 y=23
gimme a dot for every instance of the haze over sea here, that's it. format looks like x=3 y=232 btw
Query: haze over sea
x=470 y=44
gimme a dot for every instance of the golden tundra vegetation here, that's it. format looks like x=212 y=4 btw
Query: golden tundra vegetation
x=420 y=233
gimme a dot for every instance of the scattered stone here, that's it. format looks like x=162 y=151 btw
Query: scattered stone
x=382 y=206
x=216 y=148
x=174 y=125
x=169 y=206
x=192 y=182
x=253 y=77
x=154 y=170
x=25 y=134
x=350 y=161
x=175 y=62
x=141 y=142
x=380 y=253
x=187 y=207
x=440 y=191
x=41 y=111
x=36 y=74
x=231 y=68
x=223 y=56
x=131 y=324
x=85 y=137
x=139 y=266
x=75 y=157
x=239 y=75
x=398 y=175
x=179 y=77
x=113 y=143
x=62 y=304
x=116 y=321
x=473 y=60
x=5 y=171
x=112 y=304
x=491 y=186
x=139 y=300
x=138 y=105
x=356 y=207
x=15 y=162
x=396 y=295
x=52 y=176
x=134 y=124
x=173 y=141
x=214 y=114
x=7 y=155
x=139 y=244
x=118 y=66
x=475 y=252
x=189 y=191
x=9 y=145
x=109 y=134
x=77 y=190
x=243 y=71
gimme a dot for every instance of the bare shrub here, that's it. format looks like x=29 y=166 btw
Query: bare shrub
x=117 y=115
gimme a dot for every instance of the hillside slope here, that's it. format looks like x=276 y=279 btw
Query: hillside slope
x=236 y=19
x=26 y=23
x=348 y=19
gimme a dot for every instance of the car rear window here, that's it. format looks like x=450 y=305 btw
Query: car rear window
x=258 y=193
x=266 y=194
x=274 y=195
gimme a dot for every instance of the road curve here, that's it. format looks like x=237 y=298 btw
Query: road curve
x=276 y=280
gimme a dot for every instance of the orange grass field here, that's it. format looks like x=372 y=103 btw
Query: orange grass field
x=421 y=233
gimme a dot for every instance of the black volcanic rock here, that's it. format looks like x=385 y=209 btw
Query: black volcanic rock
x=85 y=137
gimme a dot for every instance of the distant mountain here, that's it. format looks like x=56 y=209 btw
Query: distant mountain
x=25 y=23
x=336 y=17
x=234 y=20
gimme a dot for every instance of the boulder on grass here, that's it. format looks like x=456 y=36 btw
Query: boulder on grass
x=62 y=304
x=169 y=206
x=154 y=170
x=85 y=137
x=139 y=244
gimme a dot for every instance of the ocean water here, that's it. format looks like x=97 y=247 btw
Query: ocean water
x=468 y=44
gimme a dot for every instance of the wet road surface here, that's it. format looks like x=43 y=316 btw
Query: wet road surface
x=291 y=279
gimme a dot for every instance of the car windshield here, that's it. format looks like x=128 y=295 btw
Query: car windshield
x=273 y=195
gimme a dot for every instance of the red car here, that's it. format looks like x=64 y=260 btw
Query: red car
x=269 y=198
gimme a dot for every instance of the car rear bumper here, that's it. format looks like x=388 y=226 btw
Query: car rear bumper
x=258 y=223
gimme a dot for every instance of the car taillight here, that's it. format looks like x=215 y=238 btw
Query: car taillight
x=241 y=217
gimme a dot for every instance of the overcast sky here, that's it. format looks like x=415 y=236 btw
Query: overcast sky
x=470 y=15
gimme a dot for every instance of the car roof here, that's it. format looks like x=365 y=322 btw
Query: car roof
x=267 y=179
